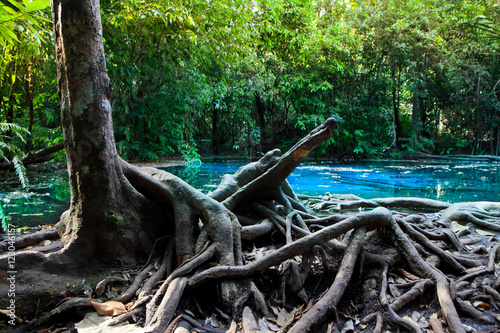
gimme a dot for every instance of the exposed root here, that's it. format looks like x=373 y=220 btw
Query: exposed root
x=330 y=300
x=482 y=214
x=27 y=240
x=249 y=257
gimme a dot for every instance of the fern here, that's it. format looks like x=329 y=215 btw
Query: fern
x=20 y=172
x=19 y=131
x=9 y=152
x=2 y=219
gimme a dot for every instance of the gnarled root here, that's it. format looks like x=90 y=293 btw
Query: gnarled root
x=271 y=262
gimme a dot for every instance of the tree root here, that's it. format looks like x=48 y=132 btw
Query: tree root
x=28 y=240
x=264 y=261
x=330 y=300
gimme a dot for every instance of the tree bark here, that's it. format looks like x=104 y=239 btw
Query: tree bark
x=104 y=214
x=398 y=133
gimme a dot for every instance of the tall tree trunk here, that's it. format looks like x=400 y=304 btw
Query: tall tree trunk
x=215 y=133
x=395 y=110
x=28 y=88
x=261 y=109
x=415 y=115
x=105 y=212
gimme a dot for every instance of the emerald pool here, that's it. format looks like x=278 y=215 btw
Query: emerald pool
x=48 y=195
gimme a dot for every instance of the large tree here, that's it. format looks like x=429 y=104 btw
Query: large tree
x=107 y=215
x=118 y=209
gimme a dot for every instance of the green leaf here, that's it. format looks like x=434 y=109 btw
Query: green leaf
x=2 y=219
x=17 y=5
x=37 y=5
x=21 y=172
x=7 y=34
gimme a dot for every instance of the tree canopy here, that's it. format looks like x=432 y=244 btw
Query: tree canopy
x=239 y=77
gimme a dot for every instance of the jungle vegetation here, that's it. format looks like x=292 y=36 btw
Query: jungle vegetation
x=190 y=77
x=241 y=77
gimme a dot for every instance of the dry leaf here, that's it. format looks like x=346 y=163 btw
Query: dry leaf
x=8 y=314
x=110 y=308
x=481 y=305
x=309 y=305
x=68 y=293
x=348 y=327
x=232 y=328
x=394 y=291
x=485 y=232
x=409 y=276
x=266 y=326
x=298 y=312
x=95 y=323
x=454 y=226
x=285 y=318
x=276 y=310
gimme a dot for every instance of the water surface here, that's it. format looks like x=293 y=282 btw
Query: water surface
x=48 y=196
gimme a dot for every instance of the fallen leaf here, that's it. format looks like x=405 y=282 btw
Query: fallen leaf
x=348 y=327
x=454 y=226
x=68 y=293
x=363 y=326
x=484 y=232
x=482 y=305
x=285 y=318
x=410 y=319
x=409 y=275
x=394 y=291
x=298 y=312
x=309 y=305
x=268 y=327
x=95 y=323
x=9 y=315
x=232 y=328
x=109 y=308
x=276 y=310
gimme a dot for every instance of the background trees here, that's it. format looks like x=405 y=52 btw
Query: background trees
x=226 y=77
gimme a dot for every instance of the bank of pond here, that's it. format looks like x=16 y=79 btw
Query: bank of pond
x=48 y=195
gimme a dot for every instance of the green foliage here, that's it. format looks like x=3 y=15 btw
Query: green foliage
x=190 y=154
x=9 y=151
x=192 y=78
x=20 y=17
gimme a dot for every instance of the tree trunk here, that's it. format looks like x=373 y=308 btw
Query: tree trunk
x=215 y=134
x=261 y=108
x=106 y=213
x=28 y=87
x=395 y=110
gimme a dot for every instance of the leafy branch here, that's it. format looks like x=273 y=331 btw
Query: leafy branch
x=18 y=15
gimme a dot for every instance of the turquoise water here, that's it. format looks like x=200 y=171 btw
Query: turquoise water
x=48 y=196
x=43 y=203
x=441 y=181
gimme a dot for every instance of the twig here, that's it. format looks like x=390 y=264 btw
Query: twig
x=413 y=327
x=330 y=299
x=130 y=292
